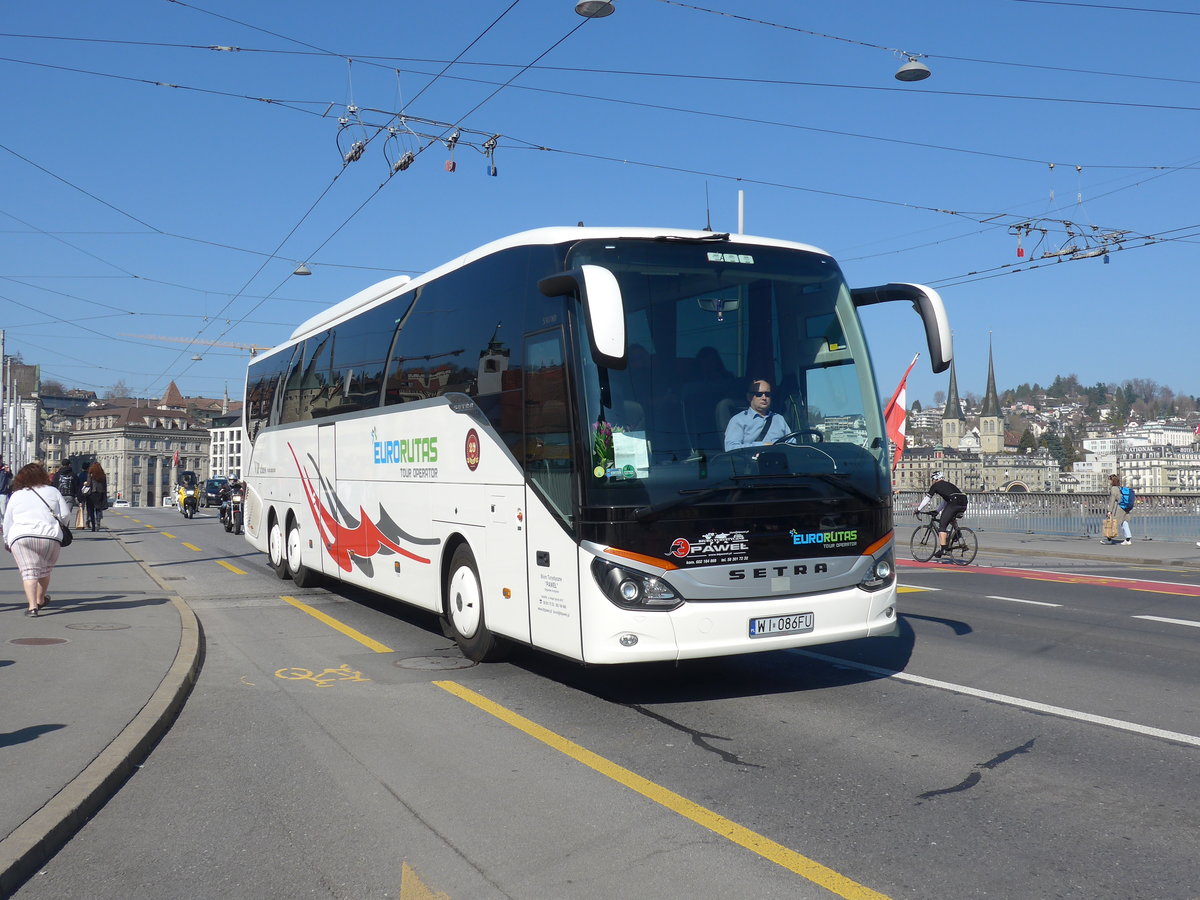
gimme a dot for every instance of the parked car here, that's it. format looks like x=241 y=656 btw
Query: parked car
x=119 y=503
x=212 y=491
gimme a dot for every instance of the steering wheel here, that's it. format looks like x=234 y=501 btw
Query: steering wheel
x=816 y=435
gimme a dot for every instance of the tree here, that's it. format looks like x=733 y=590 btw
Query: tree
x=1028 y=442
x=52 y=387
x=119 y=389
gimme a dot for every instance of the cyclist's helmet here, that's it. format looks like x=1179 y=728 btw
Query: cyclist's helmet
x=937 y=476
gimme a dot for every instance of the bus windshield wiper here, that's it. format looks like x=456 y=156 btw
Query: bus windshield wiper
x=686 y=498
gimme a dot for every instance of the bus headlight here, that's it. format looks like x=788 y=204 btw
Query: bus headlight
x=630 y=589
x=881 y=574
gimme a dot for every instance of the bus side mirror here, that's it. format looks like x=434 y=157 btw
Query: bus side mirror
x=603 y=309
x=928 y=304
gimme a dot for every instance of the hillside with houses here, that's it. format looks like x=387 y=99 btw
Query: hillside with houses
x=1063 y=437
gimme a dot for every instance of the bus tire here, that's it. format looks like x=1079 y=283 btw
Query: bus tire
x=276 y=555
x=464 y=610
x=301 y=574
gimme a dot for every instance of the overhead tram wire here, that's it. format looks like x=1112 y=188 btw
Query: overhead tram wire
x=625 y=161
x=297 y=105
x=1107 y=6
x=420 y=150
x=990 y=62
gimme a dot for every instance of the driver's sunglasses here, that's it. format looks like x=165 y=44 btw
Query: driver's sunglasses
x=762 y=393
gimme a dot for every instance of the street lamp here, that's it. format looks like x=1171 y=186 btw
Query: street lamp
x=594 y=9
x=913 y=70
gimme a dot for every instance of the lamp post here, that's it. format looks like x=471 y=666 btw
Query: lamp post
x=595 y=9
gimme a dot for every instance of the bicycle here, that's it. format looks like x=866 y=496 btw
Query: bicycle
x=961 y=545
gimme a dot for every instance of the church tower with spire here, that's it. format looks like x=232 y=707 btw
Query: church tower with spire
x=991 y=420
x=954 y=423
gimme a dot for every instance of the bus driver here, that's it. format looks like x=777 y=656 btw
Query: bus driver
x=757 y=426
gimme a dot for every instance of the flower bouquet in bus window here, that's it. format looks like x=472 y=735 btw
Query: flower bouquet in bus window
x=603 y=454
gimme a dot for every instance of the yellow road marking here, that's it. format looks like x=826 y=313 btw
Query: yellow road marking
x=190 y=546
x=908 y=589
x=148 y=525
x=333 y=623
x=234 y=569
x=413 y=888
x=765 y=847
x=139 y=521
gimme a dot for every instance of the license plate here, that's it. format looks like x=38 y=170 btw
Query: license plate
x=796 y=623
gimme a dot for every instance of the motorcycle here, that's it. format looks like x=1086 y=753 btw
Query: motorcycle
x=231 y=513
x=189 y=501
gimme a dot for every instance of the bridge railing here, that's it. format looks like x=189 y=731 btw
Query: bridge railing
x=1163 y=517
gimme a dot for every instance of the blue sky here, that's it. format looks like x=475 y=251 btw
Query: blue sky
x=150 y=190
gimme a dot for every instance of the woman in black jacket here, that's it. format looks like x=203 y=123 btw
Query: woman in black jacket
x=95 y=495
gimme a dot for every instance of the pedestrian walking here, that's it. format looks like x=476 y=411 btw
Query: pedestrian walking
x=68 y=485
x=1120 y=505
x=33 y=531
x=94 y=492
x=6 y=477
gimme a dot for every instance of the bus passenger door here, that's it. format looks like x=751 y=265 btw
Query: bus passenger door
x=327 y=465
x=548 y=458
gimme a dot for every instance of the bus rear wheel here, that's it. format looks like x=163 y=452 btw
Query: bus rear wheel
x=464 y=610
x=275 y=550
x=301 y=574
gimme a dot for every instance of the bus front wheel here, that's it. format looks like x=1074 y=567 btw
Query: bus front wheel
x=301 y=574
x=275 y=554
x=464 y=610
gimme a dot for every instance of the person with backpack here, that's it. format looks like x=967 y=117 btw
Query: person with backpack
x=68 y=485
x=1121 y=501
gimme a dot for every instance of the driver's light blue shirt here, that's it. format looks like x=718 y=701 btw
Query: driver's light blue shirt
x=743 y=429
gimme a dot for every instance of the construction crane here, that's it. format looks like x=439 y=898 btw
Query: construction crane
x=253 y=348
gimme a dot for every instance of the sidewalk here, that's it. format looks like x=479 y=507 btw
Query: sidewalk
x=1048 y=546
x=89 y=687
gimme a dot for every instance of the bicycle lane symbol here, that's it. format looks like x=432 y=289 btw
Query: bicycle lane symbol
x=324 y=678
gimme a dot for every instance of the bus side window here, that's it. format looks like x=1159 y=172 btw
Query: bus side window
x=547 y=453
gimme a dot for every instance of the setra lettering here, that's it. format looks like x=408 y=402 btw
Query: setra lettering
x=777 y=571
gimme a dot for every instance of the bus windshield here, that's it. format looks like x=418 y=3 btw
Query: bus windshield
x=702 y=324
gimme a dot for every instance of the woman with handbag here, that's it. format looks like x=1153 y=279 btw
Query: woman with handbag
x=35 y=531
x=95 y=495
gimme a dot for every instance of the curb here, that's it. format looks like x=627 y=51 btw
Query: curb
x=44 y=833
x=1095 y=557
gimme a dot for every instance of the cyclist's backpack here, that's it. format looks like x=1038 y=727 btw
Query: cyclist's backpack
x=1127 y=499
x=66 y=484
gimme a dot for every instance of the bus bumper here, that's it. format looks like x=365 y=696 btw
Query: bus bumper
x=704 y=629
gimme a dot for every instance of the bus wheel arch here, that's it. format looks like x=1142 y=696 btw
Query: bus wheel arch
x=302 y=575
x=463 y=608
x=276 y=546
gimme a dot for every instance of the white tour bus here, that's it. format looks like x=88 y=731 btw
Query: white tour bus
x=531 y=442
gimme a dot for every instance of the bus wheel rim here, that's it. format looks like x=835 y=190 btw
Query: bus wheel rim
x=275 y=544
x=293 y=549
x=466 y=606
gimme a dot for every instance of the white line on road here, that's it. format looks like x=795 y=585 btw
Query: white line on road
x=1019 y=702
x=1169 y=621
x=1018 y=600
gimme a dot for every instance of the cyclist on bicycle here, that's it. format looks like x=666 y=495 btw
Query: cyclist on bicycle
x=954 y=504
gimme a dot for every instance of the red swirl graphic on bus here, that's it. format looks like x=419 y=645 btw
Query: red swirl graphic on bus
x=362 y=539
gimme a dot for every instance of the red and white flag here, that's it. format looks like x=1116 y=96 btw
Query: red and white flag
x=175 y=461
x=895 y=416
